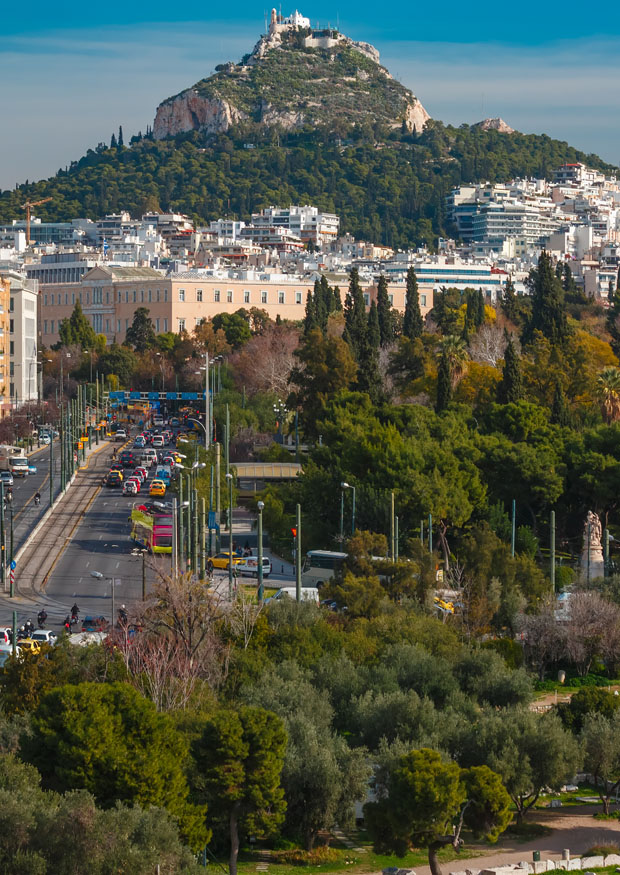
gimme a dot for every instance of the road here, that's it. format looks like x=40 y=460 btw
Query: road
x=25 y=513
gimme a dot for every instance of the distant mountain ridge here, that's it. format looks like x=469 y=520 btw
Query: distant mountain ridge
x=294 y=76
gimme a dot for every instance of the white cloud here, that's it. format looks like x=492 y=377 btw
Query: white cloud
x=72 y=89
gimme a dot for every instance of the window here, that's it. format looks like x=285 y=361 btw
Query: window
x=11 y=347
x=98 y=322
x=88 y=297
x=263 y=297
x=118 y=326
x=157 y=327
x=150 y=296
x=246 y=296
x=80 y=296
x=216 y=296
x=134 y=296
x=107 y=326
x=181 y=325
x=199 y=295
x=66 y=299
x=142 y=296
x=12 y=323
x=126 y=324
x=165 y=295
x=120 y=297
x=107 y=297
x=391 y=300
x=126 y=296
x=229 y=296
x=157 y=296
x=12 y=305
x=181 y=294
x=52 y=299
x=97 y=295
x=45 y=300
x=165 y=325
x=298 y=297
x=280 y=297
x=367 y=298
x=52 y=328
x=423 y=300
x=45 y=326
x=73 y=298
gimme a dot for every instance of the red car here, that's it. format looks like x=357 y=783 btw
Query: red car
x=137 y=481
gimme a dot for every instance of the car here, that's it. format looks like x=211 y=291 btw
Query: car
x=94 y=624
x=248 y=566
x=27 y=645
x=140 y=474
x=44 y=636
x=158 y=487
x=120 y=435
x=140 y=442
x=158 y=440
x=137 y=481
x=175 y=422
x=45 y=439
x=6 y=633
x=130 y=488
x=221 y=560
x=140 y=469
x=32 y=469
x=127 y=459
x=116 y=466
x=114 y=478
x=6 y=477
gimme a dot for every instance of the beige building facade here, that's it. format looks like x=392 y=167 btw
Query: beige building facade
x=109 y=297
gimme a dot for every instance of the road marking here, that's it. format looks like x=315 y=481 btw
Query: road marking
x=117 y=564
x=80 y=580
x=100 y=537
x=88 y=563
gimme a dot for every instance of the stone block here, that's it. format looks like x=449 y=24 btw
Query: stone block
x=562 y=864
x=526 y=866
x=539 y=867
x=592 y=862
x=612 y=860
x=574 y=863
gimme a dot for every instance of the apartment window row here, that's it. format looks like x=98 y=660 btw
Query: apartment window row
x=247 y=296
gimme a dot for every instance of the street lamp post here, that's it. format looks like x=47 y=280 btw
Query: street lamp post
x=229 y=477
x=344 y=486
x=259 y=567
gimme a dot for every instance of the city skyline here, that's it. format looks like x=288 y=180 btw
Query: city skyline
x=75 y=86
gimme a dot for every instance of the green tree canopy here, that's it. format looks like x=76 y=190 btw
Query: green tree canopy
x=413 y=324
x=77 y=330
x=141 y=332
x=118 y=360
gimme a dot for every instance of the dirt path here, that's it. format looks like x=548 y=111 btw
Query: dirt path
x=574 y=828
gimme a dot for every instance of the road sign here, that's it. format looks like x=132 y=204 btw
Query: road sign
x=80 y=445
x=13 y=565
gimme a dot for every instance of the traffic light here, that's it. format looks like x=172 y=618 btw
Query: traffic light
x=294 y=531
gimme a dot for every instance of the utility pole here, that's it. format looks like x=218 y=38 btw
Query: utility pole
x=195 y=538
x=392 y=529
x=230 y=540
x=430 y=533
x=52 y=467
x=175 y=541
x=396 y=537
x=606 y=553
x=181 y=539
x=143 y=575
x=2 y=534
x=218 y=503
x=259 y=566
x=227 y=440
x=298 y=555
x=552 y=551
x=203 y=559
x=514 y=528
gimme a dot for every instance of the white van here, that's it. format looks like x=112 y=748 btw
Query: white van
x=248 y=566
x=149 y=457
x=308 y=593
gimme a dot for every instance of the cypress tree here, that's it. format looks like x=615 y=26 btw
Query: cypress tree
x=444 y=384
x=356 y=325
x=322 y=300
x=374 y=326
x=510 y=388
x=310 y=318
x=120 y=137
x=413 y=324
x=368 y=376
x=384 y=311
x=560 y=413
x=479 y=314
x=548 y=312
x=113 y=141
x=509 y=301
x=337 y=301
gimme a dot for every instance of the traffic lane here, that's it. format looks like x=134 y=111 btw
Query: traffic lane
x=26 y=514
x=100 y=545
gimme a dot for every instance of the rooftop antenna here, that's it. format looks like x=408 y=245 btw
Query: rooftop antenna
x=338 y=22
x=265 y=14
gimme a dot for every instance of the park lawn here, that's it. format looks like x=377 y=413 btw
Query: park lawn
x=251 y=590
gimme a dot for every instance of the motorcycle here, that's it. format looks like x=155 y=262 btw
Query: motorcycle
x=41 y=619
x=37 y=500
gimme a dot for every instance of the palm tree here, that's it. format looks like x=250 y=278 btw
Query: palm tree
x=608 y=390
x=455 y=352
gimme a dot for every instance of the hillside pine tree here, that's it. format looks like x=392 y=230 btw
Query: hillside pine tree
x=510 y=388
x=509 y=301
x=120 y=137
x=384 y=311
x=413 y=324
x=310 y=317
x=548 y=310
x=374 y=326
x=560 y=413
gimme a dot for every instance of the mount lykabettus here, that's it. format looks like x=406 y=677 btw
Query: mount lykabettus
x=295 y=76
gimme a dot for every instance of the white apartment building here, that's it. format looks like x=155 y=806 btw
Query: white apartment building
x=305 y=222
x=23 y=367
x=496 y=222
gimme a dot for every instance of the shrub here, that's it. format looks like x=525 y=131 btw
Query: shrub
x=317 y=857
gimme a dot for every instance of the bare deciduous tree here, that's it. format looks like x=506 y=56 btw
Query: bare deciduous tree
x=489 y=344
x=592 y=628
x=544 y=638
x=243 y=616
x=266 y=361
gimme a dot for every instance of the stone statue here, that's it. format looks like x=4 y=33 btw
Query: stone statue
x=592 y=563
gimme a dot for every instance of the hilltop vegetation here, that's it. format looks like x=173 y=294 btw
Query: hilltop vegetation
x=387 y=186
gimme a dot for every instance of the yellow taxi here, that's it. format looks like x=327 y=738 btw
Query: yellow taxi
x=221 y=560
x=158 y=487
x=27 y=645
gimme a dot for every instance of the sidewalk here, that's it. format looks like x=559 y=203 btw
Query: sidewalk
x=39 y=554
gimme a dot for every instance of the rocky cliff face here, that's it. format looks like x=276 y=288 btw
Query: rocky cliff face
x=189 y=111
x=495 y=124
x=294 y=78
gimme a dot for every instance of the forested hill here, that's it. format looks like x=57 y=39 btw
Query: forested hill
x=387 y=186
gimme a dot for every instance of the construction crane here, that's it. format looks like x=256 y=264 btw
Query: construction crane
x=28 y=206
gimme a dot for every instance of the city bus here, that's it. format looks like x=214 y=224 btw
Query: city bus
x=320 y=566
x=151 y=531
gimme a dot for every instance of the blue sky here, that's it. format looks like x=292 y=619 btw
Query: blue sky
x=69 y=81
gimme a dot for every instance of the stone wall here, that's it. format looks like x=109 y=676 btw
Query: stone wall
x=525 y=868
